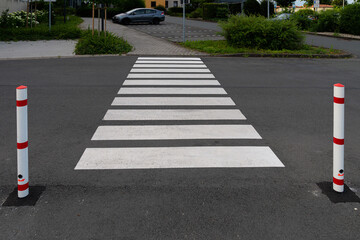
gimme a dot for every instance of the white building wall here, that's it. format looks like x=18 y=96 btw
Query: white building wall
x=12 y=5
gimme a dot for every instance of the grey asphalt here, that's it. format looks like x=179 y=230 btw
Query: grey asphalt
x=288 y=101
x=171 y=29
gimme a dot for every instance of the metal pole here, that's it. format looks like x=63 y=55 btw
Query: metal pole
x=93 y=17
x=22 y=141
x=184 y=21
x=98 y=21
x=268 y=9
x=64 y=11
x=338 y=139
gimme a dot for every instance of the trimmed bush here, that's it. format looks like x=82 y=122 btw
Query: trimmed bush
x=198 y=13
x=328 y=21
x=350 y=19
x=252 y=7
x=303 y=18
x=235 y=8
x=215 y=10
x=110 y=44
x=258 y=32
x=160 y=8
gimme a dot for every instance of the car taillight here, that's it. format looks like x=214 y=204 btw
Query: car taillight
x=162 y=13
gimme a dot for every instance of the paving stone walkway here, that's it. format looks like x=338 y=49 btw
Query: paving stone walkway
x=143 y=44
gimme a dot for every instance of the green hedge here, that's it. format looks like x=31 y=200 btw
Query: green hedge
x=215 y=10
x=350 y=19
x=303 y=17
x=87 y=12
x=96 y=44
x=258 y=32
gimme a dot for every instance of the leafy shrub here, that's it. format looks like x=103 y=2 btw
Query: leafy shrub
x=127 y=5
x=258 y=32
x=235 y=8
x=304 y=18
x=18 y=19
x=176 y=9
x=252 y=7
x=215 y=10
x=160 y=8
x=198 y=13
x=263 y=8
x=350 y=19
x=69 y=30
x=328 y=21
x=110 y=44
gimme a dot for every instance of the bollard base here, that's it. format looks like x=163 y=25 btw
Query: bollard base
x=338 y=197
x=30 y=200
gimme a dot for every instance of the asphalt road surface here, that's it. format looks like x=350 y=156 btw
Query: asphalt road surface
x=271 y=194
x=171 y=29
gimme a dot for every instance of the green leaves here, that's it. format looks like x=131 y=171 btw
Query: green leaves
x=258 y=32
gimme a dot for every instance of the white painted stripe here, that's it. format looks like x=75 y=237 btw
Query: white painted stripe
x=133 y=90
x=167 y=58
x=174 y=114
x=171 y=82
x=150 y=75
x=173 y=101
x=171 y=70
x=169 y=66
x=178 y=157
x=187 y=62
x=162 y=132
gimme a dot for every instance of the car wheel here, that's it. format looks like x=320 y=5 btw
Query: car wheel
x=125 y=21
x=156 y=21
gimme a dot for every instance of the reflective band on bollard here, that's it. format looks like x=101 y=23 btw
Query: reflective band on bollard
x=338 y=140
x=22 y=141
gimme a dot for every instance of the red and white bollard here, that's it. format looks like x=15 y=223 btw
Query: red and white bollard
x=22 y=141
x=338 y=145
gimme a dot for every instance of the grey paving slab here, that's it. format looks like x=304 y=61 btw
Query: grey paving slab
x=143 y=44
x=37 y=49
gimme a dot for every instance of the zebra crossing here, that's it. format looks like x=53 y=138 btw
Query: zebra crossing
x=174 y=89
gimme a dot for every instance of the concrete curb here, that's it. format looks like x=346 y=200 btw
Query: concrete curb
x=332 y=36
x=286 y=55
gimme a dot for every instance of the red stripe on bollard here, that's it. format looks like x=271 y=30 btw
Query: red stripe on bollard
x=22 y=103
x=23 y=187
x=338 y=181
x=339 y=100
x=22 y=145
x=338 y=141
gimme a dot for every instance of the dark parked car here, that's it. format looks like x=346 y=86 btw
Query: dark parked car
x=140 y=15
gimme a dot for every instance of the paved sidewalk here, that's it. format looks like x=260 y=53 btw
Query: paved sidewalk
x=143 y=44
x=37 y=49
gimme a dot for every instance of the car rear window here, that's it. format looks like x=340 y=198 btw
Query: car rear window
x=149 y=11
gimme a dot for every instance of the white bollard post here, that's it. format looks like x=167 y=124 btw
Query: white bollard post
x=22 y=141
x=338 y=140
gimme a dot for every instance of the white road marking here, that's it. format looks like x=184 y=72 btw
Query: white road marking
x=168 y=58
x=150 y=75
x=170 y=82
x=136 y=90
x=178 y=157
x=171 y=70
x=169 y=66
x=173 y=101
x=164 y=132
x=174 y=114
x=154 y=61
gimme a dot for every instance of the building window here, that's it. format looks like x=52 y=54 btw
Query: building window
x=153 y=4
x=175 y=3
x=166 y=4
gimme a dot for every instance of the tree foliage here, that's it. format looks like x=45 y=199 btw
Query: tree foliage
x=338 y=3
x=252 y=7
x=284 y=3
x=263 y=8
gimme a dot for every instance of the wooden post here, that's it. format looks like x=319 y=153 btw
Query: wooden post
x=105 y=20
x=93 y=16
x=27 y=14
x=35 y=15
